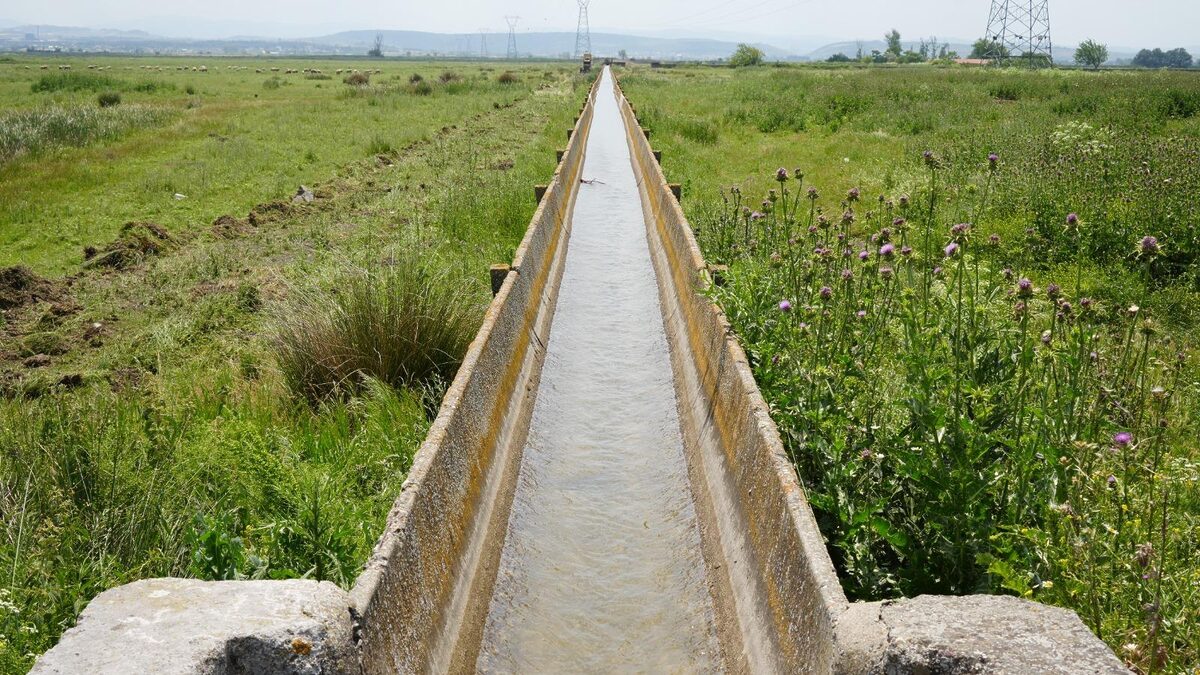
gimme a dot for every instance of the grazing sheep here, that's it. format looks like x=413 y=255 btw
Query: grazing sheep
x=45 y=67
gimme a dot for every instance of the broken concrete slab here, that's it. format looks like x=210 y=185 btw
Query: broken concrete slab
x=296 y=627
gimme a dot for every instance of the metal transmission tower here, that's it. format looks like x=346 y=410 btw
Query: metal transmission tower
x=1020 y=29
x=583 y=34
x=483 y=52
x=512 y=35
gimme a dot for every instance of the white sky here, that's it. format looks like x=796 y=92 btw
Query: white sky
x=1134 y=23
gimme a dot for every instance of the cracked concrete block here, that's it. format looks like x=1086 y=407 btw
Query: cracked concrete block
x=989 y=634
x=167 y=626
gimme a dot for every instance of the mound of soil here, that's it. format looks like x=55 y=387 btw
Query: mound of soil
x=267 y=212
x=228 y=227
x=137 y=241
x=19 y=286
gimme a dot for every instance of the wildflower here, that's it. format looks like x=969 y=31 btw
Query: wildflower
x=1094 y=356
x=904 y=199
x=826 y=292
x=812 y=229
x=852 y=195
x=1133 y=310
x=887 y=250
x=1112 y=481
x=930 y=159
x=866 y=454
x=1046 y=337
x=1148 y=327
x=937 y=271
x=1054 y=291
x=781 y=175
x=1025 y=288
x=906 y=251
x=1145 y=552
x=847 y=275
x=993 y=160
x=813 y=194
x=735 y=190
x=1065 y=309
x=951 y=249
x=775 y=360
x=757 y=215
x=885 y=234
x=1019 y=309
x=776 y=258
x=772 y=196
x=863 y=255
x=1086 y=303
x=1072 y=219
x=848 y=218
x=785 y=306
x=960 y=229
x=1149 y=246
x=1008 y=274
x=798 y=173
x=1122 y=439
x=1159 y=393
x=994 y=240
x=862 y=314
x=766 y=204
x=823 y=221
x=886 y=272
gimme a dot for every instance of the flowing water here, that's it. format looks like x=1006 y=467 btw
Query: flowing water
x=601 y=568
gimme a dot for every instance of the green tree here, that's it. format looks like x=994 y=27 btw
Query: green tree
x=838 y=58
x=746 y=55
x=1091 y=54
x=894 y=48
x=377 y=50
x=985 y=48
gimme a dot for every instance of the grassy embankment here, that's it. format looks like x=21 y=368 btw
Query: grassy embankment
x=1003 y=406
x=157 y=416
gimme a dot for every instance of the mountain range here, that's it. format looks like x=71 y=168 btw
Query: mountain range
x=551 y=44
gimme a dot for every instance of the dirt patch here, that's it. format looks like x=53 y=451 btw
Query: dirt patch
x=228 y=227
x=19 y=286
x=136 y=242
x=268 y=212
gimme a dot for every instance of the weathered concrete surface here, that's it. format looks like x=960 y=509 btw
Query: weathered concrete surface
x=974 y=634
x=229 y=627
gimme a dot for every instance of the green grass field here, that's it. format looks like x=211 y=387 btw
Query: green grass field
x=150 y=421
x=971 y=300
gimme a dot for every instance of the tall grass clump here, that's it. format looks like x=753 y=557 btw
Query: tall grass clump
x=403 y=325
x=29 y=132
x=69 y=81
x=963 y=429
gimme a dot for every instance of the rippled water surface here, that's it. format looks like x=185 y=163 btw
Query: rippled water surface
x=601 y=569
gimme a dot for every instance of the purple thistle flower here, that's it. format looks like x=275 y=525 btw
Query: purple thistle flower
x=826 y=292
x=757 y=215
x=862 y=314
x=1149 y=245
x=1024 y=288
x=960 y=229
x=1046 y=336
x=812 y=229
x=847 y=275
x=1072 y=219
x=886 y=272
x=781 y=175
x=951 y=249
x=885 y=234
x=1112 y=481
x=904 y=200
x=813 y=194
x=848 y=218
x=1008 y=274
x=887 y=250
x=1054 y=291
x=993 y=159
x=906 y=251
x=1086 y=303
x=994 y=240
x=852 y=195
x=785 y=306
x=937 y=271
x=1123 y=438
x=863 y=255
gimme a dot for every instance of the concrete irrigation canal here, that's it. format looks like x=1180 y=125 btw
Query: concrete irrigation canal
x=603 y=491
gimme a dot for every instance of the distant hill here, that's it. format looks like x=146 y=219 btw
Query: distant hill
x=542 y=44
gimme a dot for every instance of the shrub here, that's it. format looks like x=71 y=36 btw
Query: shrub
x=448 y=76
x=415 y=78
x=421 y=88
x=357 y=79
x=746 y=55
x=272 y=82
x=109 y=99
x=190 y=90
x=402 y=325
x=508 y=77
x=74 y=82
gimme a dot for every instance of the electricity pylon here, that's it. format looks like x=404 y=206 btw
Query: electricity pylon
x=583 y=34
x=512 y=35
x=1020 y=29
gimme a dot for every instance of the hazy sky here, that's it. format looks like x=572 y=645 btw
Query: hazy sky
x=1137 y=23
